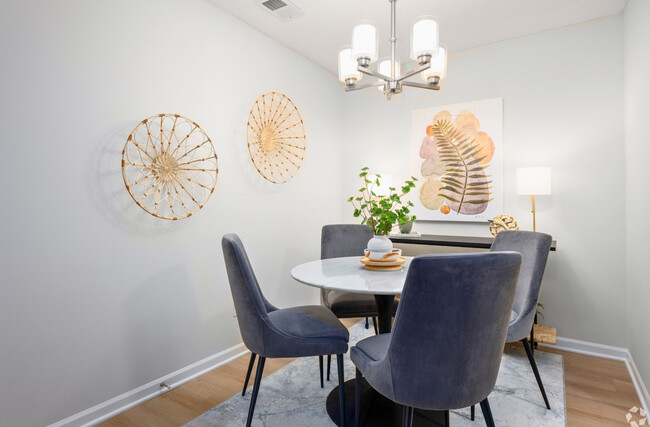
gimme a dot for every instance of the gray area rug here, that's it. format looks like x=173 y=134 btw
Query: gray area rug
x=292 y=396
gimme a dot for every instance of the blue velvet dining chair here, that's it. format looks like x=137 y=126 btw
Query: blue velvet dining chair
x=534 y=249
x=447 y=341
x=269 y=332
x=344 y=240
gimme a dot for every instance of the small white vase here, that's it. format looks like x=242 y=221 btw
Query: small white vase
x=380 y=244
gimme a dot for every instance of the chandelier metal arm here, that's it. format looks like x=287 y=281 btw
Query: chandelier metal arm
x=422 y=85
x=358 y=87
x=415 y=71
x=367 y=71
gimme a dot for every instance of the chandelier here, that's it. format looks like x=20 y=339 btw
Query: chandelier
x=430 y=59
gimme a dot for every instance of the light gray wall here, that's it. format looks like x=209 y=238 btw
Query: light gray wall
x=563 y=103
x=637 y=156
x=98 y=297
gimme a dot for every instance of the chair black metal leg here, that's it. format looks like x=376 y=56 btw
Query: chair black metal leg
x=329 y=365
x=473 y=412
x=320 y=364
x=357 y=398
x=374 y=323
x=446 y=418
x=487 y=413
x=407 y=416
x=533 y=343
x=248 y=373
x=531 y=359
x=367 y=323
x=256 y=389
x=532 y=338
x=339 y=363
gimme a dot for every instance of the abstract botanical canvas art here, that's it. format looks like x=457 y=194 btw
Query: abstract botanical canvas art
x=457 y=156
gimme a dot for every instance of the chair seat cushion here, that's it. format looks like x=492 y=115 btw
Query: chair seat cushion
x=310 y=330
x=513 y=316
x=368 y=356
x=349 y=304
x=375 y=347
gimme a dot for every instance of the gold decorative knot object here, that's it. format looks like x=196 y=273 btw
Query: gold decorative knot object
x=169 y=166
x=502 y=222
x=276 y=137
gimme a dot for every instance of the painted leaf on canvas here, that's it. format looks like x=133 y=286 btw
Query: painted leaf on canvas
x=456 y=155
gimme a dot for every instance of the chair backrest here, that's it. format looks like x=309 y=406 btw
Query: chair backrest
x=250 y=305
x=450 y=328
x=340 y=240
x=534 y=248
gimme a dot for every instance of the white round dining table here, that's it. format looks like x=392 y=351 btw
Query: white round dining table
x=349 y=275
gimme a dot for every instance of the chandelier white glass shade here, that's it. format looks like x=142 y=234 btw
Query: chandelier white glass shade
x=430 y=59
x=385 y=69
x=364 y=42
x=437 y=66
x=424 y=38
x=348 y=66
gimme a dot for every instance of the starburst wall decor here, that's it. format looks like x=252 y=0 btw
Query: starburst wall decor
x=276 y=137
x=169 y=166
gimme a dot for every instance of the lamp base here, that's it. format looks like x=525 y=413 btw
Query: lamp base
x=533 y=211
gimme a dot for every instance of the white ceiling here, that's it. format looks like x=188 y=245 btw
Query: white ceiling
x=327 y=24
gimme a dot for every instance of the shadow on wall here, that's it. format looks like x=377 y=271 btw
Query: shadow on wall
x=108 y=193
x=162 y=320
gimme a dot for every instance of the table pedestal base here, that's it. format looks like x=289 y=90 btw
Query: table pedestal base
x=376 y=410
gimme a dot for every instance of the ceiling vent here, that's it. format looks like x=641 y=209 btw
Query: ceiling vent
x=281 y=9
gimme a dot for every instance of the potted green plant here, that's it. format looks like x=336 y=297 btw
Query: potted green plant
x=381 y=212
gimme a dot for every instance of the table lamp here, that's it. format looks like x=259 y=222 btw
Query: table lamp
x=533 y=182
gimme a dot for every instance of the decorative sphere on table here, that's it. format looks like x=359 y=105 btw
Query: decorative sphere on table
x=502 y=222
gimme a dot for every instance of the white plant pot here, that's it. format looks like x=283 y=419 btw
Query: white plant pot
x=380 y=244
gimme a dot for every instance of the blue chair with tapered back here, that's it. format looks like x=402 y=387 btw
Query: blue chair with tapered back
x=343 y=240
x=534 y=249
x=447 y=341
x=269 y=332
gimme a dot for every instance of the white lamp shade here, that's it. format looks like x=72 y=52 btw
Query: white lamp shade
x=384 y=68
x=534 y=181
x=438 y=66
x=364 y=41
x=348 y=66
x=424 y=37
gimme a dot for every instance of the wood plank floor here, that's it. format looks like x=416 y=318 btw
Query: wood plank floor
x=599 y=392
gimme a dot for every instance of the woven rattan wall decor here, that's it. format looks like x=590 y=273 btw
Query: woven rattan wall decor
x=169 y=166
x=276 y=137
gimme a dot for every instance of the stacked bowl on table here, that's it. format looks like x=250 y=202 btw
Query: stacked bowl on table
x=383 y=261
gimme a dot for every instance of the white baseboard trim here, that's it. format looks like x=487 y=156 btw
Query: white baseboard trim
x=590 y=349
x=607 y=352
x=639 y=385
x=121 y=403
